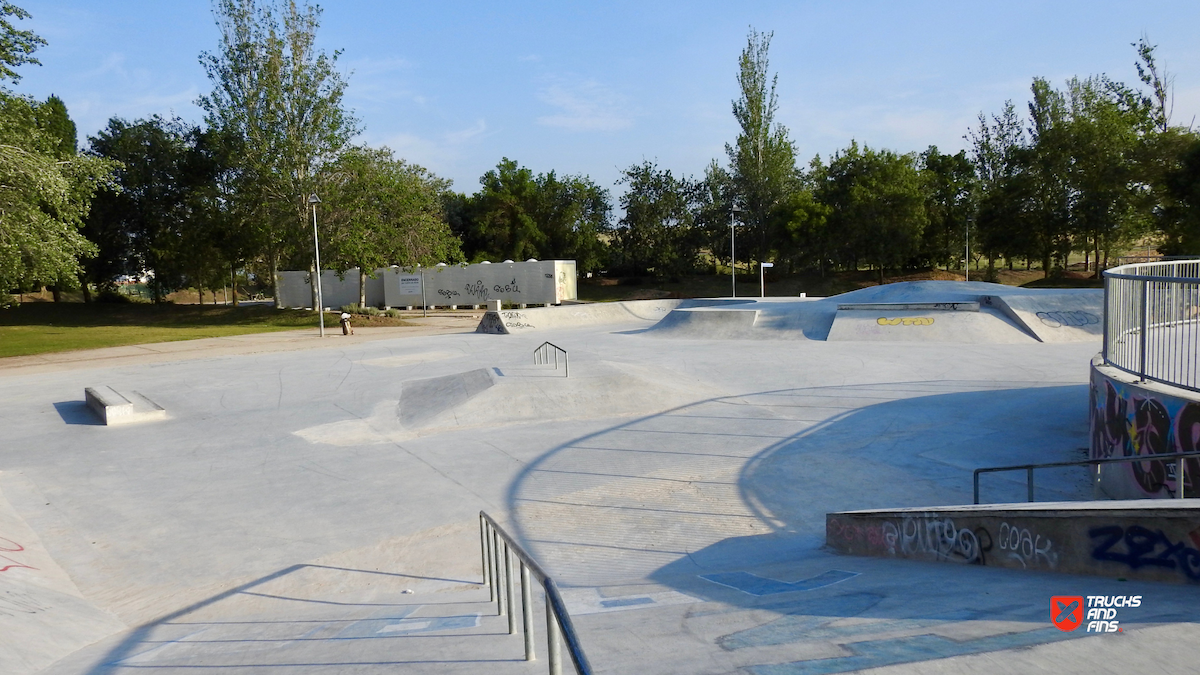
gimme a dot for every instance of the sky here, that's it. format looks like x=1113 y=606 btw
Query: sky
x=593 y=88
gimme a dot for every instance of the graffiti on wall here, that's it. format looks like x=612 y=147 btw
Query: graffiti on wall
x=938 y=538
x=8 y=547
x=905 y=321
x=1128 y=421
x=1138 y=547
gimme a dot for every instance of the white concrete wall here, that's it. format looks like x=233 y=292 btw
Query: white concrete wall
x=543 y=282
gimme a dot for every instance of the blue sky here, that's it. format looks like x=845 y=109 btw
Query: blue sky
x=591 y=88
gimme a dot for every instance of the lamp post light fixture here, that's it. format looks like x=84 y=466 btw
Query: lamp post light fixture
x=313 y=199
x=732 y=253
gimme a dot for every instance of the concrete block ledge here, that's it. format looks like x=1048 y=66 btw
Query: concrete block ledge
x=114 y=408
x=1148 y=540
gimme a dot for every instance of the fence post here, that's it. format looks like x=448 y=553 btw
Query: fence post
x=508 y=590
x=1145 y=326
x=527 y=612
x=483 y=551
x=553 y=649
x=496 y=562
x=1029 y=481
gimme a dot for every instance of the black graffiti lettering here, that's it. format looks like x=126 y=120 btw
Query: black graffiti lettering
x=1141 y=546
x=1060 y=319
x=510 y=287
x=477 y=289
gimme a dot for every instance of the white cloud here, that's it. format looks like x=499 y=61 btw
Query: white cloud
x=585 y=106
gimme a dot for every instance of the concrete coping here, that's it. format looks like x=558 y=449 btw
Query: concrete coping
x=915 y=306
x=1098 y=505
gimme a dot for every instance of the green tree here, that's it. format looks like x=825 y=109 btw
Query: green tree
x=877 y=205
x=572 y=213
x=162 y=219
x=283 y=99
x=382 y=211
x=950 y=203
x=657 y=234
x=762 y=160
x=500 y=223
x=1180 y=216
x=47 y=190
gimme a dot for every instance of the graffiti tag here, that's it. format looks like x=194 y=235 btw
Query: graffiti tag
x=1145 y=548
x=478 y=290
x=1060 y=319
x=447 y=293
x=940 y=539
x=1026 y=547
x=905 y=321
x=510 y=287
x=7 y=563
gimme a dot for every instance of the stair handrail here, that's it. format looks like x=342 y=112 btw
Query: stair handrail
x=496 y=550
x=541 y=355
x=1028 y=468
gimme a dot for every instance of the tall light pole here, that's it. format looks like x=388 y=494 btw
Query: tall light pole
x=967 y=262
x=314 y=200
x=732 y=253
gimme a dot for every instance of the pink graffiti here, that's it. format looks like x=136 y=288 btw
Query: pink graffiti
x=12 y=547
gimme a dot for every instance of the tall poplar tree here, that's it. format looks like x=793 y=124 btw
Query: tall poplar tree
x=282 y=98
x=763 y=159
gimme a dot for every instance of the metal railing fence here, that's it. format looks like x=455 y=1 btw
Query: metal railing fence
x=1152 y=321
x=497 y=549
x=541 y=355
x=1166 y=458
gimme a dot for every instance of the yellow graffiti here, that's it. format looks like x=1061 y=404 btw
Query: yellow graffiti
x=906 y=321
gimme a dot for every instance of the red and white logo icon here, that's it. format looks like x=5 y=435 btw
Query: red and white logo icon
x=1066 y=611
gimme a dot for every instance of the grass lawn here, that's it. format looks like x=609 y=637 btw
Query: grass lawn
x=41 y=327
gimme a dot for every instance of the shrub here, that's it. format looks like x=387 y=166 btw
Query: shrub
x=393 y=313
x=109 y=295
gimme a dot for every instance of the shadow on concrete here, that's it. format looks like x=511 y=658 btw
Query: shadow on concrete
x=387 y=621
x=77 y=412
x=912 y=450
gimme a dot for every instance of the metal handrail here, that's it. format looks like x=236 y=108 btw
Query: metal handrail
x=497 y=548
x=1163 y=297
x=542 y=355
x=1028 y=468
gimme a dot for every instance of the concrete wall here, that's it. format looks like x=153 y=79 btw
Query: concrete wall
x=1131 y=419
x=544 y=282
x=1153 y=543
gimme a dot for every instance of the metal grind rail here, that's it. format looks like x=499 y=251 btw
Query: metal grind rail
x=541 y=355
x=1165 y=458
x=1152 y=321
x=497 y=549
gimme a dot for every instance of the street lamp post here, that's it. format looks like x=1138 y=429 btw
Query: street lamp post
x=967 y=262
x=732 y=253
x=314 y=200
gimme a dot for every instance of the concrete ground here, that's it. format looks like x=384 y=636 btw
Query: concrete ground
x=315 y=511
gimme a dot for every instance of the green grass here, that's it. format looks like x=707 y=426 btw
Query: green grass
x=42 y=327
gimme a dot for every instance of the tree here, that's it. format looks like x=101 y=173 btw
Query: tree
x=500 y=217
x=877 y=205
x=16 y=46
x=162 y=219
x=950 y=191
x=572 y=214
x=383 y=211
x=762 y=160
x=282 y=98
x=657 y=233
x=47 y=190
x=1180 y=219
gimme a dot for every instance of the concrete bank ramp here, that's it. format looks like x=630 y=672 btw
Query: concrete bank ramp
x=1150 y=540
x=1055 y=316
x=43 y=616
x=913 y=311
x=512 y=321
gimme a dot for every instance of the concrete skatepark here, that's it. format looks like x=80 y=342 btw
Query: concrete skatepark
x=315 y=511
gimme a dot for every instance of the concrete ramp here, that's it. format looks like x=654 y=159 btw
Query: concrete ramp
x=1054 y=316
x=511 y=321
x=421 y=400
x=43 y=616
x=924 y=322
x=1149 y=540
x=710 y=323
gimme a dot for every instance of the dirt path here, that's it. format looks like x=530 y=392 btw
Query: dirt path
x=204 y=348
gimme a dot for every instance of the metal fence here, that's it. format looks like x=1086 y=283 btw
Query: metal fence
x=1173 y=459
x=1152 y=321
x=497 y=549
